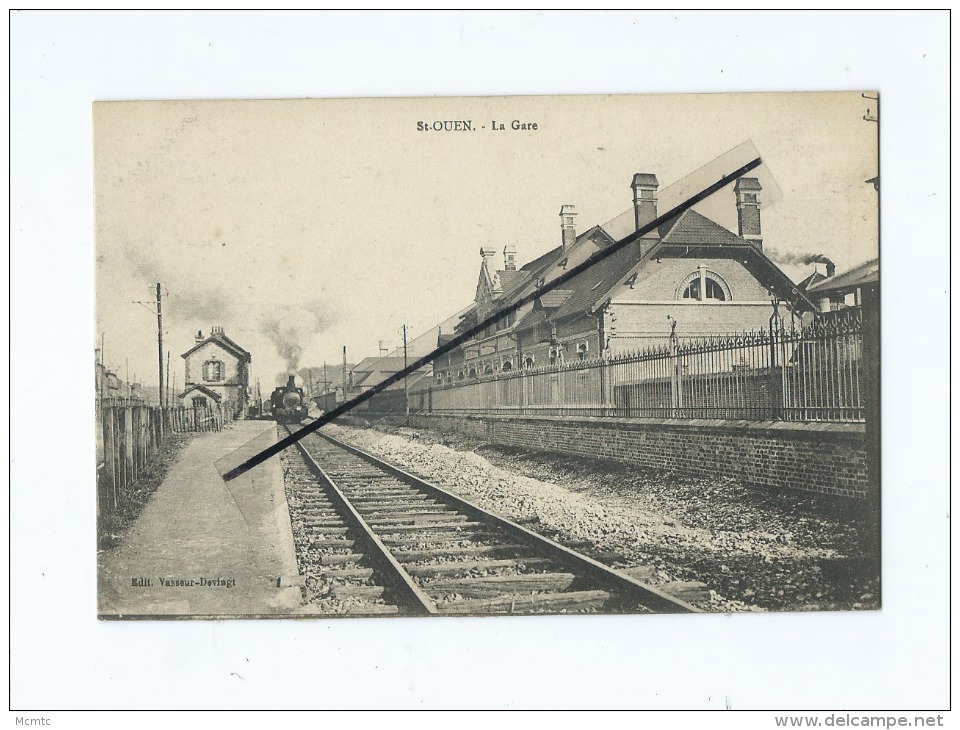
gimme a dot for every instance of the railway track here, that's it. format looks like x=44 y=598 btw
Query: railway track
x=388 y=542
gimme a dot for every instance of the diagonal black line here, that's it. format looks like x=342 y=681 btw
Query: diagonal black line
x=492 y=319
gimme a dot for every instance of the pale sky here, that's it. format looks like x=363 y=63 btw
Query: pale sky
x=331 y=223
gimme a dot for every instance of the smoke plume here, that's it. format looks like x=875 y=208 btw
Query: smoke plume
x=793 y=259
x=190 y=299
x=291 y=328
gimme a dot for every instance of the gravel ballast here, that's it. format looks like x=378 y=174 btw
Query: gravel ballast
x=752 y=549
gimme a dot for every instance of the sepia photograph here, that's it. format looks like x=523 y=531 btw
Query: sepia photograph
x=521 y=355
x=435 y=361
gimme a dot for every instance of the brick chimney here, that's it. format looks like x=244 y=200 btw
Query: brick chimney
x=644 y=188
x=568 y=225
x=747 y=190
x=510 y=257
x=488 y=253
x=199 y=337
x=214 y=331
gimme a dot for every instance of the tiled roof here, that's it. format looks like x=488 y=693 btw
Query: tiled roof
x=509 y=279
x=523 y=282
x=591 y=286
x=689 y=229
x=538 y=263
x=692 y=229
x=534 y=316
x=553 y=299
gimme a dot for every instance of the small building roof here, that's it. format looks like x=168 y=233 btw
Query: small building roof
x=382 y=364
x=203 y=389
x=865 y=274
x=814 y=278
x=225 y=342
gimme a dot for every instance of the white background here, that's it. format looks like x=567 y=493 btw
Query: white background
x=62 y=658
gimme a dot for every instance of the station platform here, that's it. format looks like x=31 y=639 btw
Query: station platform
x=204 y=548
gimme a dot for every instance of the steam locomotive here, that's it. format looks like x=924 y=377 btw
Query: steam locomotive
x=288 y=403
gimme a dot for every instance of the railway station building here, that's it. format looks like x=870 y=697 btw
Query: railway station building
x=690 y=276
x=216 y=372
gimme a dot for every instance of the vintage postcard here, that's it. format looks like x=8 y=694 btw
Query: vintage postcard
x=524 y=355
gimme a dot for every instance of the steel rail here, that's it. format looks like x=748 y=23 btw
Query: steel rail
x=415 y=598
x=624 y=585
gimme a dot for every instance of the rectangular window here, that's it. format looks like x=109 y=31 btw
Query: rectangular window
x=213 y=371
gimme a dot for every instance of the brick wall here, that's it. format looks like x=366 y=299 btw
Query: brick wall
x=828 y=458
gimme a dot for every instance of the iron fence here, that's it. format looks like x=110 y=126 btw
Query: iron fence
x=810 y=373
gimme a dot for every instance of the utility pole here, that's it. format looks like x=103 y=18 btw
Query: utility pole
x=160 y=348
x=406 y=391
x=344 y=372
x=166 y=391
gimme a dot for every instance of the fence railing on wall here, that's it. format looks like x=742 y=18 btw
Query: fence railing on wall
x=811 y=373
x=130 y=433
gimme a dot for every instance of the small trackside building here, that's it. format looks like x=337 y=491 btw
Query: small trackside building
x=216 y=372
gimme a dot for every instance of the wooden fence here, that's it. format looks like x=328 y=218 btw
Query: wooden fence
x=130 y=434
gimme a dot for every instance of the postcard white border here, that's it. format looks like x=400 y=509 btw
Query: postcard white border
x=64 y=658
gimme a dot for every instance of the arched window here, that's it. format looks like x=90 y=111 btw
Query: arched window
x=488 y=370
x=582 y=351
x=507 y=365
x=703 y=285
x=460 y=375
x=527 y=363
x=472 y=373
